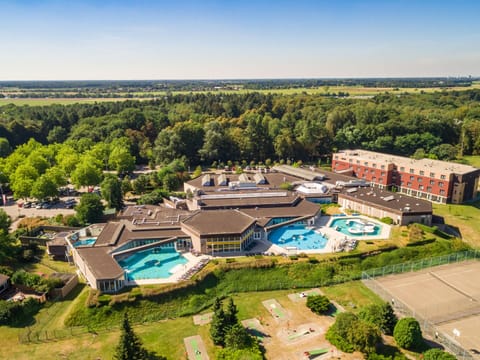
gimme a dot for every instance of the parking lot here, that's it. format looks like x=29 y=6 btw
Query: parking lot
x=16 y=212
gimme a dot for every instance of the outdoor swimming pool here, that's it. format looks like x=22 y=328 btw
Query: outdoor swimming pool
x=155 y=263
x=297 y=236
x=356 y=227
x=85 y=242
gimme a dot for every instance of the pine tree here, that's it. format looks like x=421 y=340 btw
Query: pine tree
x=218 y=328
x=130 y=347
x=231 y=314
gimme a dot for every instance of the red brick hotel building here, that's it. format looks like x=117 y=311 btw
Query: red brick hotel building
x=434 y=180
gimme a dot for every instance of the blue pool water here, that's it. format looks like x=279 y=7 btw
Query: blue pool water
x=85 y=242
x=356 y=227
x=153 y=263
x=297 y=236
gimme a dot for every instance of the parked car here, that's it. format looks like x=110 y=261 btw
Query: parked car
x=27 y=204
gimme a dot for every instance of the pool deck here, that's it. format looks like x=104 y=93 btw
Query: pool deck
x=335 y=238
x=178 y=275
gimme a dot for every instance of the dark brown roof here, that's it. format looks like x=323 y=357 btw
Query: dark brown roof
x=387 y=200
x=218 y=222
x=287 y=199
x=100 y=262
x=303 y=208
x=118 y=233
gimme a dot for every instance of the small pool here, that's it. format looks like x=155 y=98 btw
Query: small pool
x=85 y=242
x=298 y=236
x=356 y=227
x=156 y=263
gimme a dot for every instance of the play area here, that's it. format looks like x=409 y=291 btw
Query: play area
x=195 y=348
x=203 y=319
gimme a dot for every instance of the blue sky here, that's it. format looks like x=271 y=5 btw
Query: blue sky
x=49 y=40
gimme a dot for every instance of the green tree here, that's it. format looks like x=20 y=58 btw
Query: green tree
x=43 y=188
x=437 y=354
x=5 y=148
x=111 y=188
x=319 y=304
x=380 y=315
x=237 y=337
x=218 y=324
x=121 y=160
x=86 y=174
x=407 y=333
x=90 y=209
x=129 y=347
x=231 y=313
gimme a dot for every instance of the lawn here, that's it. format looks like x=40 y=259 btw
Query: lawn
x=473 y=160
x=465 y=217
x=164 y=337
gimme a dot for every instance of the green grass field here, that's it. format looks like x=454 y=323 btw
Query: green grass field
x=164 y=337
x=473 y=160
x=352 y=90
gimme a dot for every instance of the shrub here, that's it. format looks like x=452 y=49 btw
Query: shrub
x=293 y=257
x=230 y=260
x=381 y=316
x=349 y=334
x=387 y=220
x=319 y=304
x=437 y=354
x=407 y=333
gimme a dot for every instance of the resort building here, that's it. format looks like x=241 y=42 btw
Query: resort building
x=434 y=180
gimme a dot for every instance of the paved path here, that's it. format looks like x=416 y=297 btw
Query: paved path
x=195 y=348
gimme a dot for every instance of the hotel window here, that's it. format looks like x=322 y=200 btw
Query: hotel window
x=374 y=165
x=440 y=184
x=432 y=174
x=402 y=168
x=380 y=180
x=409 y=184
x=383 y=173
x=382 y=167
x=372 y=171
x=442 y=192
x=350 y=160
x=358 y=161
x=402 y=183
x=443 y=177
x=420 y=187
x=419 y=179
x=422 y=172
x=432 y=182
x=412 y=171
x=412 y=178
x=374 y=178
x=429 y=189
x=365 y=163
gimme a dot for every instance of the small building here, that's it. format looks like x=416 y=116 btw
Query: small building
x=219 y=231
x=4 y=283
x=381 y=203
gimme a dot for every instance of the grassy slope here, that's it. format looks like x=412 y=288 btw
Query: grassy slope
x=165 y=337
x=464 y=217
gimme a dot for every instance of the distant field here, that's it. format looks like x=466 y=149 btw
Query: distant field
x=62 y=101
x=351 y=90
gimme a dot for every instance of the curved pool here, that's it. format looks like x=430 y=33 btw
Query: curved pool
x=356 y=227
x=298 y=236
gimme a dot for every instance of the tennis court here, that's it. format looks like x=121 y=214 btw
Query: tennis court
x=446 y=296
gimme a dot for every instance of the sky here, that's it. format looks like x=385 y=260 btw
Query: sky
x=206 y=39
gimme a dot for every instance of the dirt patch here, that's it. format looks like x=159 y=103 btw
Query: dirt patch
x=195 y=348
x=203 y=319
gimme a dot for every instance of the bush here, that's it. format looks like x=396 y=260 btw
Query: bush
x=350 y=334
x=230 y=260
x=437 y=354
x=319 y=304
x=407 y=333
x=387 y=220
x=381 y=316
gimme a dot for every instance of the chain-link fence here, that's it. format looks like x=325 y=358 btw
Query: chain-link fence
x=429 y=328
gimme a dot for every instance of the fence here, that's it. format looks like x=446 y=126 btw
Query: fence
x=428 y=328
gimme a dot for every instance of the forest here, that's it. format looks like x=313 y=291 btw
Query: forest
x=79 y=141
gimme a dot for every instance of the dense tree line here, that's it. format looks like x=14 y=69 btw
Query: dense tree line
x=203 y=128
